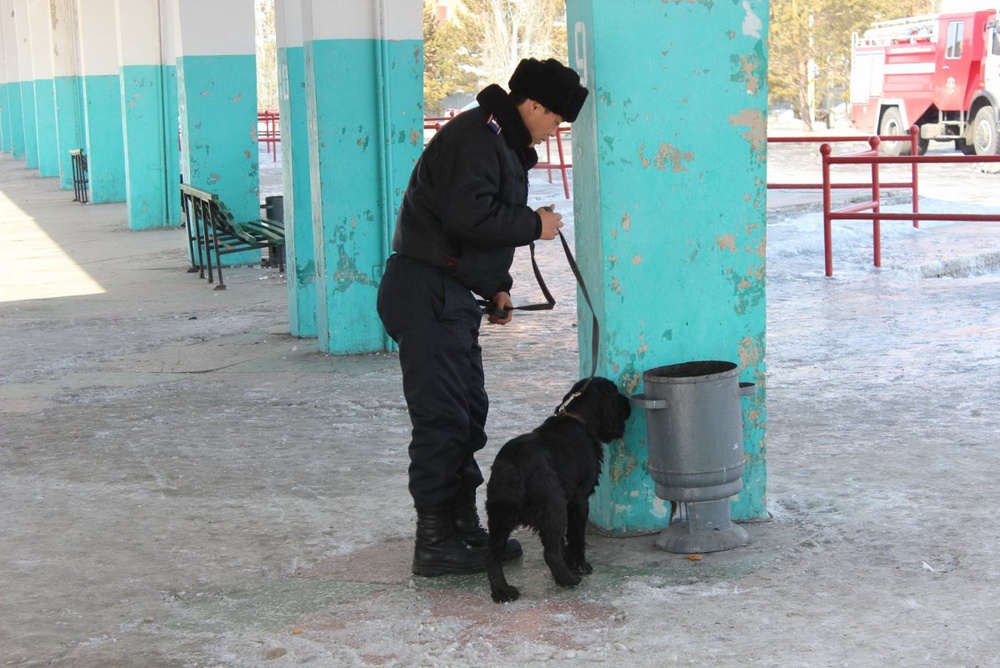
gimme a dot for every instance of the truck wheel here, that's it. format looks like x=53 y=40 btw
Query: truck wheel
x=892 y=124
x=984 y=132
x=966 y=149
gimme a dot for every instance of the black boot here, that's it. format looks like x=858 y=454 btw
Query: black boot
x=439 y=550
x=470 y=530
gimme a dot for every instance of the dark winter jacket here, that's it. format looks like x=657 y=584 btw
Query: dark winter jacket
x=465 y=208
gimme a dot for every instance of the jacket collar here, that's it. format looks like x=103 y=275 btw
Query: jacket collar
x=496 y=101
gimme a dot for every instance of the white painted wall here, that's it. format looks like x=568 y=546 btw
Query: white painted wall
x=3 y=57
x=98 y=41
x=62 y=24
x=41 y=38
x=9 y=39
x=288 y=23
x=217 y=28
x=168 y=32
x=138 y=32
x=365 y=19
x=22 y=32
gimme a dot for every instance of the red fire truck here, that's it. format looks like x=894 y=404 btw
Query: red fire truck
x=940 y=72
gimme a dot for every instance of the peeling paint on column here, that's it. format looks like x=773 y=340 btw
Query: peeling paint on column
x=751 y=352
x=749 y=290
x=346 y=273
x=630 y=381
x=756 y=135
x=752 y=24
x=748 y=71
x=726 y=242
x=625 y=463
x=306 y=274
x=667 y=153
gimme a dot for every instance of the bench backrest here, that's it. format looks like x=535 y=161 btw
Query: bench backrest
x=209 y=210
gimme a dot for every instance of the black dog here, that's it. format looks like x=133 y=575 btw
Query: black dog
x=544 y=479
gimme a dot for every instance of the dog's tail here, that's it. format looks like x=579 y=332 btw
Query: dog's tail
x=506 y=488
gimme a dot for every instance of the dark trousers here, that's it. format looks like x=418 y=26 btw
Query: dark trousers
x=435 y=322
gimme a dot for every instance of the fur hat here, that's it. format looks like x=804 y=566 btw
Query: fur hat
x=551 y=84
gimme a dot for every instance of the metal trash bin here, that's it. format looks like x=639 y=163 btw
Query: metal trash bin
x=274 y=208
x=694 y=425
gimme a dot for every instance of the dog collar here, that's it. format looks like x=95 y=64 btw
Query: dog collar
x=562 y=407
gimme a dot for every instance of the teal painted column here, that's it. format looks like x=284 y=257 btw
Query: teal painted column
x=364 y=87
x=4 y=114
x=669 y=200
x=217 y=100
x=69 y=124
x=102 y=101
x=67 y=88
x=105 y=143
x=147 y=142
x=300 y=256
x=45 y=127
x=45 y=99
x=171 y=134
x=29 y=124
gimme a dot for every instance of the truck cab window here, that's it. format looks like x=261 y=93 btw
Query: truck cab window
x=956 y=31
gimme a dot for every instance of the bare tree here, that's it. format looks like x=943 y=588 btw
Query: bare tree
x=502 y=32
x=267 y=56
x=810 y=44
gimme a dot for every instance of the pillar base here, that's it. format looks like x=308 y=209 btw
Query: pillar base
x=708 y=529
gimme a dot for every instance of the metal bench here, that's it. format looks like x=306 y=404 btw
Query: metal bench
x=80 y=182
x=212 y=232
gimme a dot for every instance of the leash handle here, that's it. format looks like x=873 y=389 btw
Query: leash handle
x=489 y=308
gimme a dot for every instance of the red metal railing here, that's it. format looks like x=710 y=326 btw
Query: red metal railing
x=825 y=180
x=856 y=211
x=435 y=123
x=269 y=131
x=874 y=184
x=562 y=166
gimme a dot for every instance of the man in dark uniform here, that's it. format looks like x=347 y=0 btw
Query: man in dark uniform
x=463 y=214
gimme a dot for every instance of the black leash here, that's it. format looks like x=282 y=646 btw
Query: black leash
x=490 y=308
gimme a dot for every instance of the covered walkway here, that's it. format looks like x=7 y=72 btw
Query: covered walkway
x=182 y=483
